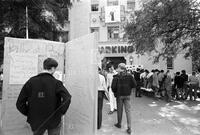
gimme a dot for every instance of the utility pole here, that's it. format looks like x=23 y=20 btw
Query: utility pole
x=26 y=19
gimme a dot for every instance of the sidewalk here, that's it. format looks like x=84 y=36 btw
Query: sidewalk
x=156 y=117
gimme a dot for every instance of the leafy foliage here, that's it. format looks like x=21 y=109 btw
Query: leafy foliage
x=174 y=22
x=45 y=18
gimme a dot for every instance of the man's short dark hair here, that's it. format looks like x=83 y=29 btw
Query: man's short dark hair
x=178 y=73
x=138 y=69
x=183 y=71
x=49 y=63
x=193 y=73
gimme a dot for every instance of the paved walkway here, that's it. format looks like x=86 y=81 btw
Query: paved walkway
x=156 y=117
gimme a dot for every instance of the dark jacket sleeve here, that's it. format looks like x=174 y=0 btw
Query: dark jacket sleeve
x=62 y=92
x=114 y=84
x=22 y=104
x=133 y=82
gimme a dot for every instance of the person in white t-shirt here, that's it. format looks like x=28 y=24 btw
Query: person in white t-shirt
x=112 y=99
x=101 y=91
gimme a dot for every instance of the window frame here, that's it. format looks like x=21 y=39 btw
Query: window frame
x=112 y=34
x=112 y=2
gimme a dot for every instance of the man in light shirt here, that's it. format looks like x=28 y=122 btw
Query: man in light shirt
x=101 y=91
x=112 y=99
x=194 y=83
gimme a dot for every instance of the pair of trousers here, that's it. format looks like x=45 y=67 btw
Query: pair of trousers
x=126 y=102
x=100 y=107
x=155 y=89
x=169 y=95
x=190 y=92
x=138 y=91
x=54 y=131
x=113 y=102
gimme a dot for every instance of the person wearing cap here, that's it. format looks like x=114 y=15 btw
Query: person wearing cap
x=43 y=100
x=122 y=85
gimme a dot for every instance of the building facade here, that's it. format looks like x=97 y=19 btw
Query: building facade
x=108 y=18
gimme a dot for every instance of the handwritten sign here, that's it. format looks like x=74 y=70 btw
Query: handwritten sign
x=22 y=67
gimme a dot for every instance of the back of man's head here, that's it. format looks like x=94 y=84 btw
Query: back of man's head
x=122 y=66
x=49 y=63
x=178 y=73
x=138 y=69
x=183 y=72
x=198 y=70
x=193 y=73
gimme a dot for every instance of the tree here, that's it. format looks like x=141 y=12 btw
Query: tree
x=174 y=22
x=45 y=18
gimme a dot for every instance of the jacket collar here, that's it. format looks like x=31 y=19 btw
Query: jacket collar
x=45 y=73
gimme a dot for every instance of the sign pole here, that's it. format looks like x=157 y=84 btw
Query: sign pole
x=26 y=20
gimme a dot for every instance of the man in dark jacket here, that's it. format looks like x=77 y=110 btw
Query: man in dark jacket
x=178 y=86
x=44 y=99
x=138 y=81
x=185 y=81
x=122 y=85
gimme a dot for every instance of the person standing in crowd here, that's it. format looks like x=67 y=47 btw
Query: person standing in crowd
x=185 y=81
x=112 y=99
x=155 y=83
x=198 y=76
x=44 y=99
x=143 y=77
x=122 y=87
x=101 y=91
x=150 y=79
x=161 y=82
x=168 y=86
x=138 y=81
x=193 y=84
x=178 y=85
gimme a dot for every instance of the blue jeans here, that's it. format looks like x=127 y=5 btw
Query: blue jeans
x=124 y=100
x=54 y=131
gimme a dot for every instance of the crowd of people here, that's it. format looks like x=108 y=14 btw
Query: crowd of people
x=118 y=84
x=178 y=86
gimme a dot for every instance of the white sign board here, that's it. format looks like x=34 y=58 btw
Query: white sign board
x=81 y=82
x=112 y=14
x=22 y=67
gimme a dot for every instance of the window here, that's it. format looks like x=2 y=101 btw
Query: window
x=112 y=2
x=170 y=64
x=113 y=33
x=94 y=30
x=95 y=7
x=130 y=4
